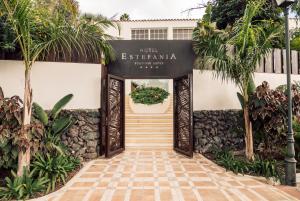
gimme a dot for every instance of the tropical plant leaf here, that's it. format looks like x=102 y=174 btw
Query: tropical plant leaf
x=40 y=113
x=60 y=105
x=241 y=99
x=1 y=94
x=61 y=124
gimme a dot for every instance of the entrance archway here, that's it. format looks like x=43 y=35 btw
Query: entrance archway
x=147 y=60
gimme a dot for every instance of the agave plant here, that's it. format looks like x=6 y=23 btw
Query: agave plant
x=54 y=125
x=55 y=169
x=23 y=187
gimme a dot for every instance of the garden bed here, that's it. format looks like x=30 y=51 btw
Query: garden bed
x=3 y=173
x=239 y=164
x=60 y=184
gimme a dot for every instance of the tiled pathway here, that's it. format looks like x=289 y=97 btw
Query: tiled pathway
x=161 y=176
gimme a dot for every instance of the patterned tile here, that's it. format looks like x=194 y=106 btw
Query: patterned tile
x=162 y=176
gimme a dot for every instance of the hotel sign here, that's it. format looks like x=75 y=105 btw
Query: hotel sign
x=152 y=59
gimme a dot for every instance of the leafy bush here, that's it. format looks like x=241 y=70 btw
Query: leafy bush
x=268 y=110
x=22 y=188
x=296 y=128
x=227 y=160
x=10 y=126
x=259 y=166
x=53 y=126
x=55 y=169
x=295 y=43
x=149 y=95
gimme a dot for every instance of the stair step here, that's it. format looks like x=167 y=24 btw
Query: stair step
x=142 y=127
x=148 y=140
x=148 y=133
x=148 y=130
x=151 y=124
x=154 y=145
x=148 y=121
x=145 y=116
x=168 y=136
x=149 y=148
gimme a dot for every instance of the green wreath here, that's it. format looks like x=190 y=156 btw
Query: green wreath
x=149 y=95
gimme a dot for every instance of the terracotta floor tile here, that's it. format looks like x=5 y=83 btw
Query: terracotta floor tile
x=249 y=194
x=164 y=183
x=251 y=183
x=73 y=195
x=183 y=183
x=119 y=195
x=212 y=195
x=83 y=184
x=96 y=168
x=96 y=195
x=136 y=195
x=271 y=195
x=166 y=195
x=123 y=184
x=103 y=184
x=233 y=196
x=188 y=195
x=90 y=175
x=203 y=184
x=143 y=175
x=148 y=195
x=234 y=183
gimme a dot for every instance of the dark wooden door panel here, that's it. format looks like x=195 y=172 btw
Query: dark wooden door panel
x=115 y=127
x=183 y=115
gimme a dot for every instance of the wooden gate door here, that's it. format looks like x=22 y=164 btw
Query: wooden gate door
x=114 y=130
x=183 y=115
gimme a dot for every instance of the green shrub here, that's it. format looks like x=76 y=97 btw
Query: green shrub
x=228 y=161
x=296 y=128
x=260 y=167
x=268 y=110
x=10 y=126
x=295 y=43
x=48 y=138
x=22 y=188
x=149 y=95
x=266 y=168
x=54 y=168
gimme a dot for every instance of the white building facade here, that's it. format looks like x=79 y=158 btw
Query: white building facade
x=164 y=29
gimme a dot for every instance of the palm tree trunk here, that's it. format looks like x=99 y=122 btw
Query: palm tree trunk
x=249 y=136
x=24 y=153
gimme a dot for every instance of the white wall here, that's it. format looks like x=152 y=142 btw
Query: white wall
x=213 y=94
x=51 y=81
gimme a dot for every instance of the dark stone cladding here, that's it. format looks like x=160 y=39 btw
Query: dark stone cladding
x=83 y=136
x=216 y=130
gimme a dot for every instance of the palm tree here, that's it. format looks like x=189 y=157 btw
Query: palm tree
x=37 y=36
x=234 y=56
x=125 y=17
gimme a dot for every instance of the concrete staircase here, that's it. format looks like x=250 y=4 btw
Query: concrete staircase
x=148 y=131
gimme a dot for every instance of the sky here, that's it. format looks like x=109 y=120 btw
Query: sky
x=142 y=9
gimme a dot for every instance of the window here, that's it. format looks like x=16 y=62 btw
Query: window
x=182 y=34
x=140 y=34
x=158 y=34
x=149 y=34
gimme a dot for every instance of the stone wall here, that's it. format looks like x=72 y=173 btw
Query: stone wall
x=212 y=129
x=83 y=136
x=218 y=130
